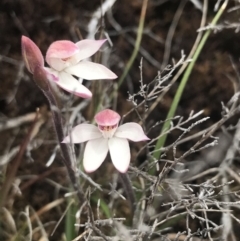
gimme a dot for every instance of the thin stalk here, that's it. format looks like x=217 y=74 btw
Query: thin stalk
x=126 y=182
x=67 y=160
x=41 y=80
x=70 y=230
x=128 y=189
x=137 y=43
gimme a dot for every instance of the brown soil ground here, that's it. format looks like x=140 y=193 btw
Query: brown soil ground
x=211 y=82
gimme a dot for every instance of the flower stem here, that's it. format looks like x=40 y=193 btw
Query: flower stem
x=41 y=80
x=127 y=185
x=67 y=160
x=161 y=141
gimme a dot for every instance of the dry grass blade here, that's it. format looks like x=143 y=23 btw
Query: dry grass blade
x=11 y=173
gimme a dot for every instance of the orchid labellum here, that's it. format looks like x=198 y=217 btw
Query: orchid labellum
x=106 y=137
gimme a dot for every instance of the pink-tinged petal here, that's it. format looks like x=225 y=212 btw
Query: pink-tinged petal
x=32 y=55
x=82 y=133
x=131 y=131
x=120 y=153
x=95 y=152
x=62 y=54
x=52 y=75
x=70 y=84
x=107 y=118
x=90 y=71
x=62 y=49
x=88 y=47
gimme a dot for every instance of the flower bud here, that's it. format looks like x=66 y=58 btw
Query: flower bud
x=40 y=76
x=32 y=55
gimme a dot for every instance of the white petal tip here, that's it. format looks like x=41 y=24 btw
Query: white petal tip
x=89 y=170
x=146 y=139
x=83 y=95
x=65 y=140
x=114 y=76
x=123 y=170
x=108 y=74
x=101 y=40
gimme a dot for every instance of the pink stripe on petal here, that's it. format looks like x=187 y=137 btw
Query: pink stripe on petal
x=131 y=131
x=90 y=71
x=107 y=118
x=120 y=153
x=70 y=84
x=94 y=154
x=88 y=47
x=82 y=133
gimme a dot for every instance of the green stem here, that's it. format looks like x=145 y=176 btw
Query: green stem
x=171 y=113
x=137 y=43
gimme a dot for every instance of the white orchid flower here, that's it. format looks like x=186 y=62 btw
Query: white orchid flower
x=65 y=59
x=107 y=136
